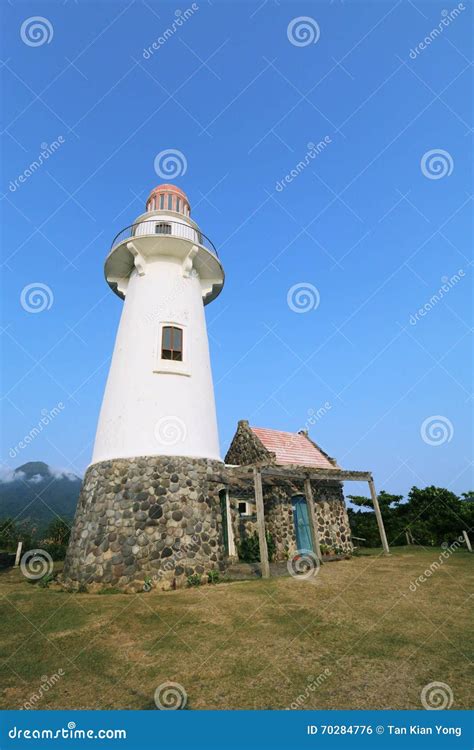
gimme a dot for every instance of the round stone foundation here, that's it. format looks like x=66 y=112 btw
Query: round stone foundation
x=147 y=522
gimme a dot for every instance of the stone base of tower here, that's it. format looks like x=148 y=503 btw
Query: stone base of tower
x=148 y=521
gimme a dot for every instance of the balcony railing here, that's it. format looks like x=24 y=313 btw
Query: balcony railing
x=164 y=228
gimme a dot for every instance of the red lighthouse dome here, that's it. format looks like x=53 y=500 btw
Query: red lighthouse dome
x=167 y=197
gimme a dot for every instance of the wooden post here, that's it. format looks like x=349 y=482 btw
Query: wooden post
x=467 y=540
x=18 y=554
x=378 y=516
x=308 y=491
x=265 y=567
x=408 y=538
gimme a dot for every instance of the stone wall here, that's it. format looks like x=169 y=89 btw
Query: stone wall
x=246 y=448
x=159 y=518
x=331 y=514
x=151 y=517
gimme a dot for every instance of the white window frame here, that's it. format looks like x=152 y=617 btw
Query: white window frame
x=171 y=366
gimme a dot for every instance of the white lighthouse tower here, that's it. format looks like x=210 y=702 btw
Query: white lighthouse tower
x=151 y=501
x=159 y=398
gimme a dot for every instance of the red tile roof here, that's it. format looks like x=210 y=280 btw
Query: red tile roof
x=292 y=448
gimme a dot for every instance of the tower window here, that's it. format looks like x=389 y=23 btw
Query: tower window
x=170 y=202
x=172 y=343
x=163 y=229
x=178 y=207
x=162 y=201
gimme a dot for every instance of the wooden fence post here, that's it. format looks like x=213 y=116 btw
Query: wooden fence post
x=379 y=518
x=467 y=540
x=262 y=539
x=18 y=554
x=308 y=491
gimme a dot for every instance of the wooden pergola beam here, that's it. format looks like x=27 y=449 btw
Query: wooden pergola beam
x=236 y=475
x=262 y=539
x=378 y=515
x=293 y=471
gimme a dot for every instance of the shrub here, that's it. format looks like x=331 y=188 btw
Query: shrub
x=249 y=548
x=194 y=580
x=213 y=576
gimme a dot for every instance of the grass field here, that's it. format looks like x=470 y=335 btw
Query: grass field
x=356 y=637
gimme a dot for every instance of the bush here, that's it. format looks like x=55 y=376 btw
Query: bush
x=194 y=580
x=213 y=576
x=249 y=548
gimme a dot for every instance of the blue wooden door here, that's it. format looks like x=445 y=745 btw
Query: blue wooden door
x=304 y=539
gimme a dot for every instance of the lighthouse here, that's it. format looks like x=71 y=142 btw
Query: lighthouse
x=159 y=397
x=149 y=507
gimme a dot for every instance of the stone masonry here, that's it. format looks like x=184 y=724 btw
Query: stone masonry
x=153 y=517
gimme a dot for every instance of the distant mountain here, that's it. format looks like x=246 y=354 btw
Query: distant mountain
x=37 y=493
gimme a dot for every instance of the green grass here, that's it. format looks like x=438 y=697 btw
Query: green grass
x=250 y=644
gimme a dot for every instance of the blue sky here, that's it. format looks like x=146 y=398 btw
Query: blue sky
x=373 y=222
